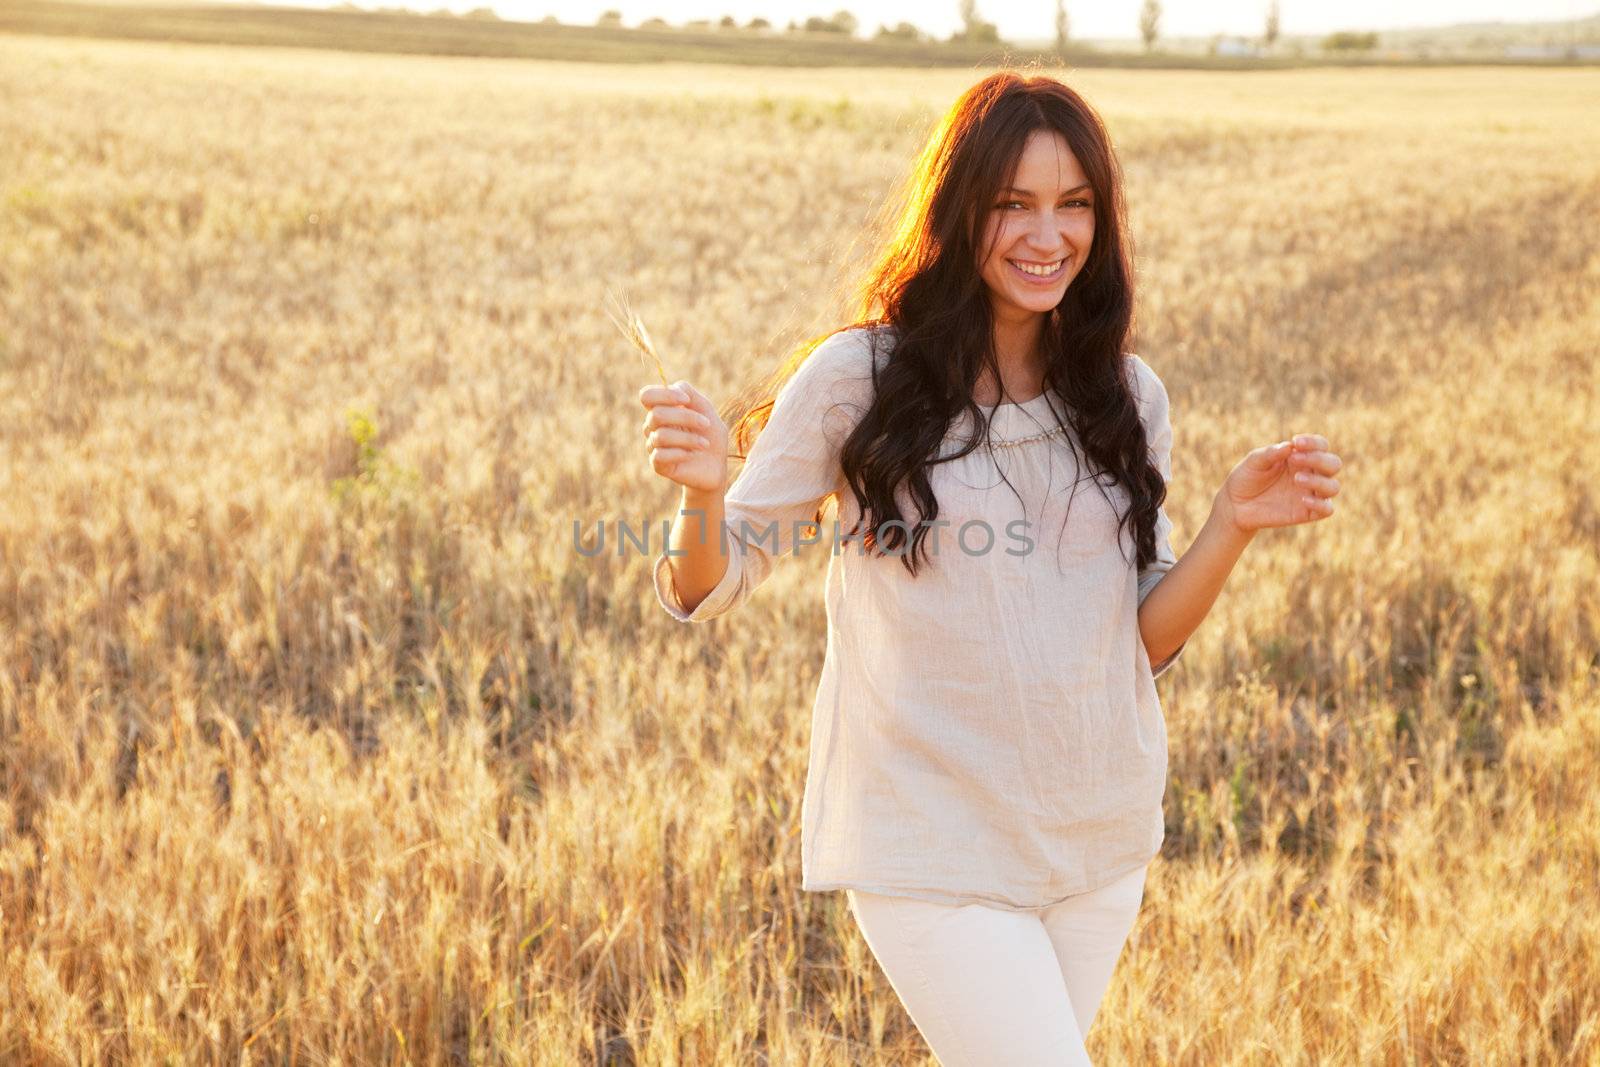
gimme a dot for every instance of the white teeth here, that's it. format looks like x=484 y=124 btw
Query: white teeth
x=1041 y=271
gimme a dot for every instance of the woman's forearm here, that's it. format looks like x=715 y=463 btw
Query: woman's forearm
x=1175 y=607
x=694 y=547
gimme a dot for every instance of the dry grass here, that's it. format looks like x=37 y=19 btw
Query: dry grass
x=321 y=743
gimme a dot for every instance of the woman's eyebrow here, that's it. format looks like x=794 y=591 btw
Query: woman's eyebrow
x=1025 y=192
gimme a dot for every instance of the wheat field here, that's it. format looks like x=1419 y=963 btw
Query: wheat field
x=321 y=743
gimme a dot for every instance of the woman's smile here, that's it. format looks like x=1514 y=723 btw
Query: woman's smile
x=1037 y=273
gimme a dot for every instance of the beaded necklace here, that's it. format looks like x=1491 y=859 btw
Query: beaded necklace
x=1041 y=435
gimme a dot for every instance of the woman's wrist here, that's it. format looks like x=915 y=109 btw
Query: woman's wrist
x=1224 y=523
x=702 y=499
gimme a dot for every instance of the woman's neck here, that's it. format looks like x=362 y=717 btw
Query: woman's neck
x=1016 y=348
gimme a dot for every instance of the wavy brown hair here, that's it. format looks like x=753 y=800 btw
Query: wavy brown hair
x=925 y=284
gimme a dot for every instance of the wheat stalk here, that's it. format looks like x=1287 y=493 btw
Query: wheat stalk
x=632 y=327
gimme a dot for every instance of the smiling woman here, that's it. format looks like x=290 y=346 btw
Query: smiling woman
x=988 y=751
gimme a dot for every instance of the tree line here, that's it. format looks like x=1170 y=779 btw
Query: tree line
x=975 y=29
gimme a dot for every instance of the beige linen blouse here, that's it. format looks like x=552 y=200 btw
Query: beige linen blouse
x=988 y=732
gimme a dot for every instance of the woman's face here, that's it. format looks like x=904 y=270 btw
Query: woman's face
x=1039 y=230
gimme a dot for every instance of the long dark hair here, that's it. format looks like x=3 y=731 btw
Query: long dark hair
x=925 y=286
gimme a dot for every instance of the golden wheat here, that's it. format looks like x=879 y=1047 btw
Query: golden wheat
x=632 y=328
x=320 y=740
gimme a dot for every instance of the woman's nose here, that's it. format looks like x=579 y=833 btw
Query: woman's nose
x=1046 y=234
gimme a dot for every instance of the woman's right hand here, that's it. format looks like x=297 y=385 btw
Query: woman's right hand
x=688 y=440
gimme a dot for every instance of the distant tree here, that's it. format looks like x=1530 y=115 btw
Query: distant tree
x=1347 y=41
x=1063 y=26
x=487 y=14
x=982 y=33
x=973 y=26
x=1269 y=35
x=903 y=31
x=969 y=17
x=728 y=22
x=611 y=18
x=549 y=20
x=1150 y=23
x=840 y=22
x=758 y=23
x=655 y=23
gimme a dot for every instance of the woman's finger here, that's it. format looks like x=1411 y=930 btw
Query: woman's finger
x=652 y=395
x=1318 y=484
x=672 y=437
x=1310 y=442
x=674 y=415
x=1267 y=457
x=662 y=460
x=694 y=399
x=1319 y=507
x=1321 y=462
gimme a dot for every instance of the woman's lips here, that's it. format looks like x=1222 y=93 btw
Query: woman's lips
x=1040 y=279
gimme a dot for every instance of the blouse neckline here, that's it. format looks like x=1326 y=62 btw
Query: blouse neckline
x=1034 y=414
x=1014 y=423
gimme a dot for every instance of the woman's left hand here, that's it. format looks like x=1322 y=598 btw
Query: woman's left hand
x=1284 y=484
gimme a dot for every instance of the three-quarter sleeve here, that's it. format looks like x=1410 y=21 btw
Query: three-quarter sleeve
x=792 y=466
x=1155 y=411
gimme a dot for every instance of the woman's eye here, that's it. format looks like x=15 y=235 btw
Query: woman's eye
x=1004 y=205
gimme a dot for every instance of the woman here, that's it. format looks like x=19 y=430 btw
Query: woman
x=988 y=753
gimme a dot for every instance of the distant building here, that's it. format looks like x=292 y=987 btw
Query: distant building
x=1234 y=46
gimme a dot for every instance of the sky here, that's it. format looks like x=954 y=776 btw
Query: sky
x=1030 y=19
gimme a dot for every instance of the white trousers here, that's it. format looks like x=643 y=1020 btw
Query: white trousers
x=989 y=987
